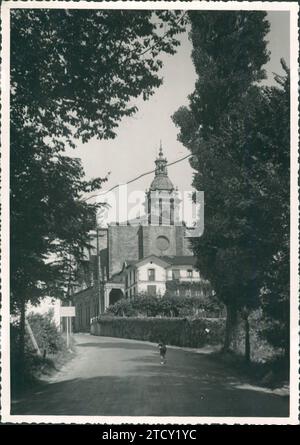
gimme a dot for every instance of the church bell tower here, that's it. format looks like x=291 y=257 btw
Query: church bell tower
x=161 y=198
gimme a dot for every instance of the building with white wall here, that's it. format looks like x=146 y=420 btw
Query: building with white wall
x=150 y=275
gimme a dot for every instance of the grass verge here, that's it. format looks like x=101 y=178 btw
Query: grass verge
x=38 y=369
x=272 y=374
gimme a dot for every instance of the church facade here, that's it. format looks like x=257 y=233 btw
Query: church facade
x=126 y=259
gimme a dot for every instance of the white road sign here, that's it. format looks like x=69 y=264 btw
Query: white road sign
x=67 y=311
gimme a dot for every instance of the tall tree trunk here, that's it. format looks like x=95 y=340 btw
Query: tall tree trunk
x=231 y=325
x=247 y=339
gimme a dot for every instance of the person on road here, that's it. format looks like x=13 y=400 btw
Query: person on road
x=162 y=351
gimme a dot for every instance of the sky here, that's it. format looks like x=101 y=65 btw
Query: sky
x=135 y=148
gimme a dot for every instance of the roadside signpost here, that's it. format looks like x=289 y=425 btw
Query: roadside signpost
x=68 y=312
x=32 y=337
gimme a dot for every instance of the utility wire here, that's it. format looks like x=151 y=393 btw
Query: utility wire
x=136 y=178
x=171 y=163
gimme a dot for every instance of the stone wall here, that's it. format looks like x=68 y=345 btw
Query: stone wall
x=178 y=246
x=131 y=243
x=86 y=306
x=122 y=245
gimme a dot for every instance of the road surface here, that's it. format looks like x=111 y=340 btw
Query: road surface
x=119 y=377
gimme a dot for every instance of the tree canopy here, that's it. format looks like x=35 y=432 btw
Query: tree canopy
x=75 y=72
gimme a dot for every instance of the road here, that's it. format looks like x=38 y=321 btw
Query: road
x=118 y=377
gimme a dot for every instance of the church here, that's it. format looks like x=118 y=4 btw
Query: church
x=136 y=257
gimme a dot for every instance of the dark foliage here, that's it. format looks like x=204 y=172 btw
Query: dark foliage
x=192 y=333
x=50 y=342
x=74 y=74
x=238 y=133
x=169 y=305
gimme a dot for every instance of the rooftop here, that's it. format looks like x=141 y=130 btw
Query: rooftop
x=161 y=182
x=182 y=260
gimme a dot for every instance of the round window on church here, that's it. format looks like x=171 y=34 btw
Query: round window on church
x=162 y=243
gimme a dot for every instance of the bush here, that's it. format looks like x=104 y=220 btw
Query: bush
x=46 y=333
x=49 y=340
x=167 y=306
x=262 y=350
x=192 y=333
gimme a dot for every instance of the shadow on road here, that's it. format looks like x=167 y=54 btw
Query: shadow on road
x=188 y=385
x=133 y=396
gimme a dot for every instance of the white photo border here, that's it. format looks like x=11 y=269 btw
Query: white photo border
x=6 y=416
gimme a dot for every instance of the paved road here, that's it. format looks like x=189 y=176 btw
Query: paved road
x=118 y=377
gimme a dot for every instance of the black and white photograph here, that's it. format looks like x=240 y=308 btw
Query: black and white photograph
x=149 y=222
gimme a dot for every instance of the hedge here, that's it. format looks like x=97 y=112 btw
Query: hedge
x=187 y=332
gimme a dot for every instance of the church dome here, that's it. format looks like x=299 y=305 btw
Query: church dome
x=161 y=183
x=161 y=180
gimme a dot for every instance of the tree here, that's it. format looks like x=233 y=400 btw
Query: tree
x=233 y=158
x=276 y=290
x=49 y=227
x=74 y=75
